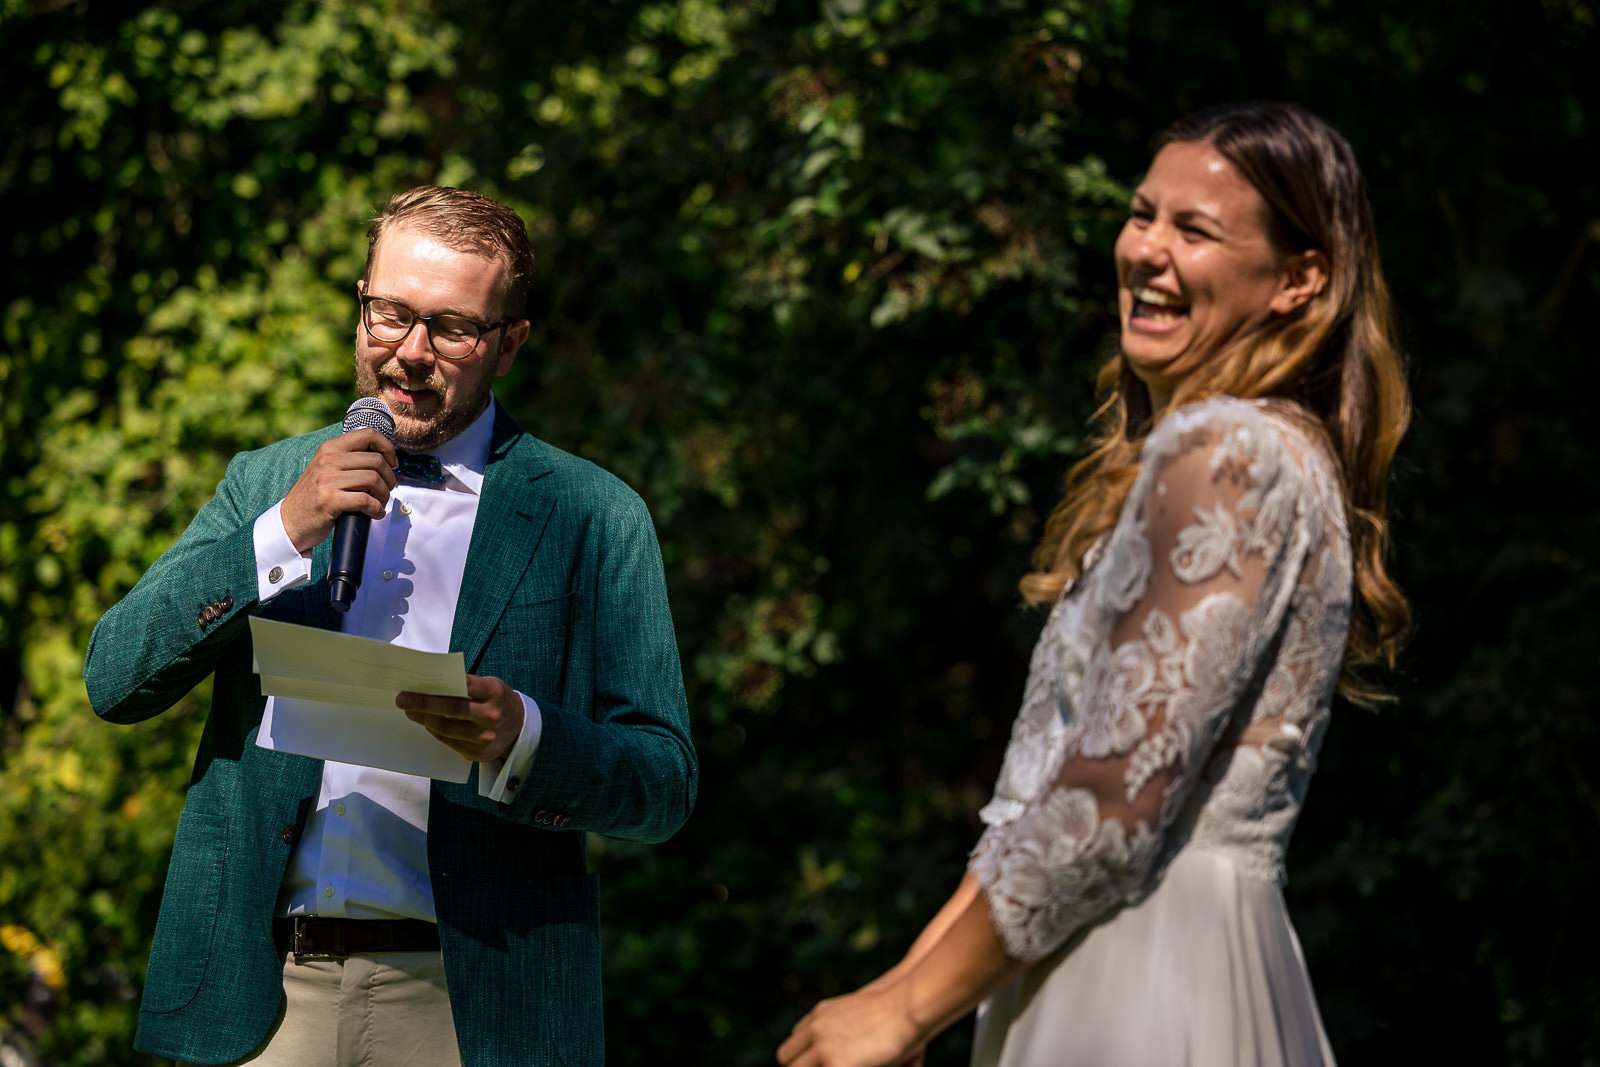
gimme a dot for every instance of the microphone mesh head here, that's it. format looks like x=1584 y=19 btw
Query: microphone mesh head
x=371 y=412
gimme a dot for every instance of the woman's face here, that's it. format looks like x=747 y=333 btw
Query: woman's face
x=1195 y=265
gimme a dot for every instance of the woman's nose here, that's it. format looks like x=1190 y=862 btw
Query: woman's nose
x=1150 y=249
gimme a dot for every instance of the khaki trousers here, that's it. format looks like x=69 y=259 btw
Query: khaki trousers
x=389 y=1009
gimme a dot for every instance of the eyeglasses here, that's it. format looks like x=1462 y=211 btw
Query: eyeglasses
x=451 y=336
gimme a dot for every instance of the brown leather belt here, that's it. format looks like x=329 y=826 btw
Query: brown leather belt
x=321 y=938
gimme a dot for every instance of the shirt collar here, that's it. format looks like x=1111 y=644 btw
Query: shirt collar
x=465 y=455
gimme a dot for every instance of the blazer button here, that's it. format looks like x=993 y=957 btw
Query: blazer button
x=291 y=834
x=227 y=603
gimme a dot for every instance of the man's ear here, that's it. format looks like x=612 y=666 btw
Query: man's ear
x=510 y=342
x=1305 y=275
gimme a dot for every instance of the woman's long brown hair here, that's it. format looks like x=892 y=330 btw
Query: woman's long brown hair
x=1336 y=357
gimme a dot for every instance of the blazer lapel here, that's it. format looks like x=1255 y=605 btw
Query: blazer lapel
x=511 y=520
x=319 y=608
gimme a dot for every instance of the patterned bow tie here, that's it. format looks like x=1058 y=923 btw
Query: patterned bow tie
x=421 y=467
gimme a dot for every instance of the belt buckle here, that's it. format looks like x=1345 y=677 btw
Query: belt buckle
x=297 y=931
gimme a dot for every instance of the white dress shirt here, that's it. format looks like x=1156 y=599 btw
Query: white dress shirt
x=364 y=851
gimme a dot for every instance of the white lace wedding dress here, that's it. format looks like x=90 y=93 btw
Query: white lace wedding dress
x=1172 y=714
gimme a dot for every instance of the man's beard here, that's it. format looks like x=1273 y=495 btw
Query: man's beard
x=414 y=433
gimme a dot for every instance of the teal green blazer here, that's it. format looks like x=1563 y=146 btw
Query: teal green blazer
x=565 y=600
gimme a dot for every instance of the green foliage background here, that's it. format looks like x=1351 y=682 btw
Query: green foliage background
x=826 y=283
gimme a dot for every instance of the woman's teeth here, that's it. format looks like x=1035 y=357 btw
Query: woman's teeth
x=1157 y=306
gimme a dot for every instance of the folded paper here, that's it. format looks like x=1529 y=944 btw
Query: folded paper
x=332 y=697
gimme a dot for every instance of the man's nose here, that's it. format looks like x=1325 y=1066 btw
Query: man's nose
x=415 y=346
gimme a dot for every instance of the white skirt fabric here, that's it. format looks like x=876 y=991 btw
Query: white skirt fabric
x=1205 y=972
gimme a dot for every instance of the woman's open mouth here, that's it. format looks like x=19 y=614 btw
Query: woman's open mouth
x=1151 y=307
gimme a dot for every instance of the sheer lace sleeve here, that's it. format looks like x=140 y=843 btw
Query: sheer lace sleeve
x=1170 y=641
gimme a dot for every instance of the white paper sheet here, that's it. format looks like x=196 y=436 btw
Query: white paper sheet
x=333 y=698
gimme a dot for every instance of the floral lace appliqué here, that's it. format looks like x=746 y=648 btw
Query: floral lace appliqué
x=1201 y=645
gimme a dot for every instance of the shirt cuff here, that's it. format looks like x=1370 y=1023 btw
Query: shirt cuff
x=279 y=565
x=500 y=779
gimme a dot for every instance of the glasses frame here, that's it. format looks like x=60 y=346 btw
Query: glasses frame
x=484 y=328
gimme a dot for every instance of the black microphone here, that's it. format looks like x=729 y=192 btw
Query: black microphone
x=350 y=529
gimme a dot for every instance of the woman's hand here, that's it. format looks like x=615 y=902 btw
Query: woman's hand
x=956 y=962
x=868 y=1028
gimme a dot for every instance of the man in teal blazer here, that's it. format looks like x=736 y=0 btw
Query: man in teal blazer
x=561 y=616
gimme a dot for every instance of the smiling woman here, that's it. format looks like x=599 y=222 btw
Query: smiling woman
x=1214 y=573
x=1198 y=265
x=1253 y=231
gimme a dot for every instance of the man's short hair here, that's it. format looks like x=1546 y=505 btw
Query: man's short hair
x=465 y=222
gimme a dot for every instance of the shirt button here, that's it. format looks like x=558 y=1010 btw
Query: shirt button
x=405 y=509
x=328 y=892
x=275 y=575
x=388 y=576
x=338 y=809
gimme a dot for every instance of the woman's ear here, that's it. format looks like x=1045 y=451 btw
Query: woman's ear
x=1305 y=274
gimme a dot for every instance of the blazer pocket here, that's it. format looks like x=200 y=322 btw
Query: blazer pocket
x=188 y=917
x=527 y=618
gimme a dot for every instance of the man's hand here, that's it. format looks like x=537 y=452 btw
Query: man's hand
x=351 y=473
x=482 y=726
x=868 y=1028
